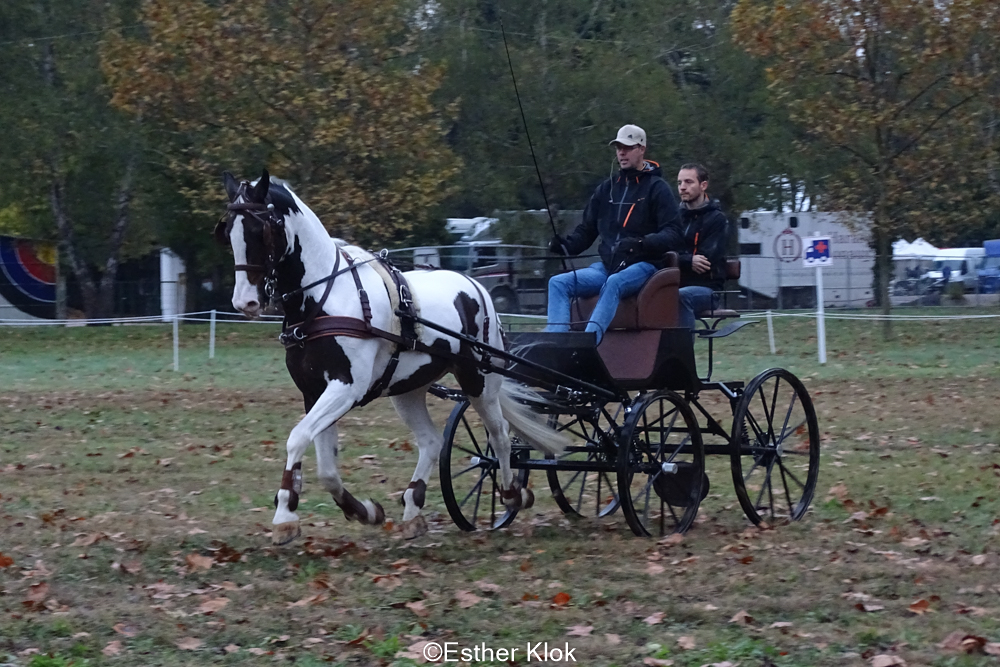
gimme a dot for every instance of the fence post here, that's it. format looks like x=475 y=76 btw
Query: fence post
x=177 y=355
x=211 y=337
x=820 y=319
x=770 y=332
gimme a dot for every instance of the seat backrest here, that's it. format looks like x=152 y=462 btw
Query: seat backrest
x=654 y=307
x=733 y=268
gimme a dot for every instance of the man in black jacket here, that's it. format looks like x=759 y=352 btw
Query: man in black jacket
x=703 y=258
x=636 y=217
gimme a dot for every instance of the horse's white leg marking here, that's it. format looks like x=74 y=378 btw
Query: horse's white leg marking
x=488 y=407
x=331 y=406
x=412 y=409
x=326 y=462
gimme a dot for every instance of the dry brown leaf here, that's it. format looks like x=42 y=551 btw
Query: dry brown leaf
x=654 y=569
x=198 y=562
x=414 y=652
x=579 y=630
x=861 y=606
x=920 y=606
x=487 y=586
x=979 y=559
x=467 y=599
x=112 y=649
x=259 y=651
x=88 y=539
x=418 y=607
x=126 y=629
x=657 y=662
x=654 y=619
x=992 y=648
x=188 y=643
x=231 y=648
x=671 y=540
x=838 y=491
x=312 y=599
x=387 y=581
x=886 y=660
x=959 y=640
x=561 y=599
x=686 y=642
x=613 y=639
x=742 y=617
x=212 y=605
x=5 y=561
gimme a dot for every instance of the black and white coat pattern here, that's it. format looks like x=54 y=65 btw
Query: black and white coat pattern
x=334 y=373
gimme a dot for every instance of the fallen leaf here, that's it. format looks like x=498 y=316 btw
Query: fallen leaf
x=979 y=559
x=920 y=606
x=654 y=569
x=112 y=649
x=259 y=651
x=487 y=586
x=199 y=562
x=231 y=648
x=671 y=540
x=418 y=608
x=838 y=491
x=561 y=599
x=467 y=599
x=87 y=540
x=5 y=561
x=861 y=606
x=213 y=605
x=126 y=629
x=387 y=581
x=613 y=639
x=188 y=643
x=742 y=617
x=415 y=651
x=992 y=648
x=579 y=630
x=885 y=660
x=686 y=642
x=959 y=640
x=657 y=662
x=654 y=619
x=312 y=599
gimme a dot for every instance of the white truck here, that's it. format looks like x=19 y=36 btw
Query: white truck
x=771 y=258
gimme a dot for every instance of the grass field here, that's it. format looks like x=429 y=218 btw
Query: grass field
x=135 y=506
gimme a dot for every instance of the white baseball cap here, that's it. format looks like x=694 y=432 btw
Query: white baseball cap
x=630 y=135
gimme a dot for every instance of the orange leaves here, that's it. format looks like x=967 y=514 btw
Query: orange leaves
x=198 y=562
x=5 y=561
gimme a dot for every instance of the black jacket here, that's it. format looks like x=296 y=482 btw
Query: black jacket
x=634 y=203
x=704 y=231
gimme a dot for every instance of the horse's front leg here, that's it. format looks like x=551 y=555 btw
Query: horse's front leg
x=367 y=511
x=332 y=404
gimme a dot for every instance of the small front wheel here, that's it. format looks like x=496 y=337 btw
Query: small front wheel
x=468 y=470
x=774 y=448
x=661 y=465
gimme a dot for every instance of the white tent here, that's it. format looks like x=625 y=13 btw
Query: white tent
x=919 y=249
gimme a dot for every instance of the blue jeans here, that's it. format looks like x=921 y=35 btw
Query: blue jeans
x=592 y=281
x=694 y=299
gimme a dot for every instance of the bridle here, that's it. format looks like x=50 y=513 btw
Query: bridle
x=273 y=228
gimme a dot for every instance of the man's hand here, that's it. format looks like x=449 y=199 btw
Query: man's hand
x=630 y=245
x=557 y=245
x=700 y=264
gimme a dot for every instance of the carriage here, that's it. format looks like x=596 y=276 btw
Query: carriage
x=633 y=405
x=620 y=424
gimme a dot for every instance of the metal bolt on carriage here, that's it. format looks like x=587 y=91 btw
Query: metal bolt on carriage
x=634 y=410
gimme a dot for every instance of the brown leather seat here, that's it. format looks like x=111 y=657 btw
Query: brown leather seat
x=654 y=307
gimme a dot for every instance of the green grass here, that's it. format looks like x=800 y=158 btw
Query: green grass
x=163 y=465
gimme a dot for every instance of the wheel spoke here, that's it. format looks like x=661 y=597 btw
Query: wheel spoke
x=472 y=436
x=788 y=472
x=774 y=406
x=468 y=451
x=477 y=485
x=462 y=472
x=791 y=406
x=758 y=432
x=784 y=484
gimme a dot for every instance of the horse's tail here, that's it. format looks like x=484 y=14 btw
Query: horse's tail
x=514 y=397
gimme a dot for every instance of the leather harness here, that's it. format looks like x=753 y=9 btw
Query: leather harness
x=316 y=326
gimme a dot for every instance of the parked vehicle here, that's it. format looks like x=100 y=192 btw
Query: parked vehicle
x=989 y=268
x=960 y=263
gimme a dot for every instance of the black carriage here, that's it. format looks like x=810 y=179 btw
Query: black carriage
x=632 y=406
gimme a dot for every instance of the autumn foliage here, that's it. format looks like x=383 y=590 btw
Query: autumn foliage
x=327 y=94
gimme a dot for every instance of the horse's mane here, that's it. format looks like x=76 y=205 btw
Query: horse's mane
x=285 y=201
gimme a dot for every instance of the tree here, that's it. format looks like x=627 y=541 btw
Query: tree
x=71 y=162
x=902 y=89
x=328 y=94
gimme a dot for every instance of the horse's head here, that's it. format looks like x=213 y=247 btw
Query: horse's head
x=256 y=234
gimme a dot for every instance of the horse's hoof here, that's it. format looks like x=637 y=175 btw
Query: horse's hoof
x=379 y=514
x=527 y=498
x=512 y=499
x=415 y=527
x=283 y=533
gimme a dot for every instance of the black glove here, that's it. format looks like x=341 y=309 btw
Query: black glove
x=557 y=246
x=630 y=246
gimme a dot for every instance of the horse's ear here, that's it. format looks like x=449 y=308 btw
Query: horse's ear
x=232 y=187
x=260 y=190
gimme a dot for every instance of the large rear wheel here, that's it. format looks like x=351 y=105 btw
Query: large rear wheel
x=469 y=473
x=774 y=448
x=661 y=465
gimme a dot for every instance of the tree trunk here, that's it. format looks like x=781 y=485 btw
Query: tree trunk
x=883 y=267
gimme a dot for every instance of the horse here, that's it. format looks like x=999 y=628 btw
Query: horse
x=350 y=339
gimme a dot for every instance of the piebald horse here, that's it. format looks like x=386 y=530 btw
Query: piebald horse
x=347 y=343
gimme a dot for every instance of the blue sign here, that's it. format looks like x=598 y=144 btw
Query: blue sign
x=817 y=251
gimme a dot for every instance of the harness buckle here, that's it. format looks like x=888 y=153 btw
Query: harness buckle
x=269 y=284
x=383 y=254
x=404 y=296
x=295 y=336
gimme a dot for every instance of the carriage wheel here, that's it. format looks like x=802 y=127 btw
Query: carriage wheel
x=469 y=472
x=587 y=492
x=661 y=465
x=774 y=450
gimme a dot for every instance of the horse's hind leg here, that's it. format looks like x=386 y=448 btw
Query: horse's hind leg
x=412 y=409
x=488 y=407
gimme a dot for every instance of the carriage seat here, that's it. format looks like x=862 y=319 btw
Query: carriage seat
x=733 y=272
x=654 y=307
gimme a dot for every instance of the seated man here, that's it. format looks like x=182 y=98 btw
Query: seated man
x=635 y=215
x=703 y=259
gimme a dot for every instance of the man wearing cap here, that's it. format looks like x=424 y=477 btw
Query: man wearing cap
x=636 y=217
